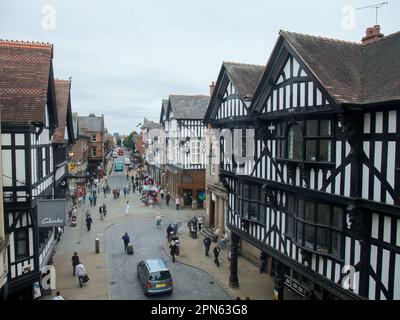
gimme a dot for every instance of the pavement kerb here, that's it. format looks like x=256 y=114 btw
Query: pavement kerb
x=198 y=268
x=106 y=258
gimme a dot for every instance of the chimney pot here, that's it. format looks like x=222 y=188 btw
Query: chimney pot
x=373 y=34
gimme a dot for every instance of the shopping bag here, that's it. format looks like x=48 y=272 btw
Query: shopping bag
x=85 y=278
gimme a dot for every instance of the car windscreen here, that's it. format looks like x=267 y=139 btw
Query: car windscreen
x=159 y=276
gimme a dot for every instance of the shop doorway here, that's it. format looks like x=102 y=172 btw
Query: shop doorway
x=187 y=197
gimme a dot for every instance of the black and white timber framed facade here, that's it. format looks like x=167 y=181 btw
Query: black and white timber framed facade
x=29 y=119
x=321 y=197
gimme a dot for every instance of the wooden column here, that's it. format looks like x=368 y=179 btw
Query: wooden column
x=233 y=277
x=279 y=277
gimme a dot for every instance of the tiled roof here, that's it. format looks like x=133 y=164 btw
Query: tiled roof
x=89 y=123
x=245 y=77
x=352 y=72
x=24 y=79
x=62 y=88
x=189 y=107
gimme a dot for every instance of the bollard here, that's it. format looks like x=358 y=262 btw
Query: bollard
x=97 y=245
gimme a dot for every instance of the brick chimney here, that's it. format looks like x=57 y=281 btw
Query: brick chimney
x=212 y=87
x=372 y=35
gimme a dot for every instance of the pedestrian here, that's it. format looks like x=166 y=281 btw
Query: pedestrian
x=167 y=198
x=207 y=245
x=177 y=202
x=105 y=192
x=125 y=191
x=59 y=233
x=158 y=219
x=94 y=198
x=216 y=251
x=126 y=240
x=179 y=224
x=58 y=296
x=101 y=212
x=127 y=207
x=81 y=272
x=104 y=209
x=172 y=247
x=200 y=222
x=91 y=200
x=162 y=194
x=169 y=230
x=89 y=221
x=75 y=262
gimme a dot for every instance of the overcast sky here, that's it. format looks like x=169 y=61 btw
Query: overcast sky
x=125 y=56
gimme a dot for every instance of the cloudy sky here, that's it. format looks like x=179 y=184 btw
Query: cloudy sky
x=125 y=56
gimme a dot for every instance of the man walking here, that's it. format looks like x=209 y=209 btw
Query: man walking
x=216 y=251
x=173 y=250
x=104 y=209
x=126 y=240
x=75 y=262
x=207 y=245
x=167 y=198
x=80 y=271
x=127 y=208
x=177 y=202
x=162 y=194
x=94 y=198
x=89 y=221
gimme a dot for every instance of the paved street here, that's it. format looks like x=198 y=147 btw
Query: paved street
x=112 y=266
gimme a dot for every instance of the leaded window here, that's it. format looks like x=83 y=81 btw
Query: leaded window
x=315 y=226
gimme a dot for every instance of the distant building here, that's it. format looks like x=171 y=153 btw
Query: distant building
x=92 y=127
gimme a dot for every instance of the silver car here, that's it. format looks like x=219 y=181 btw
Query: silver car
x=154 y=276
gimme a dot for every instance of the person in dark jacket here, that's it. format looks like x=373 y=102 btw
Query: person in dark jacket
x=75 y=262
x=173 y=250
x=216 y=251
x=167 y=198
x=169 y=230
x=89 y=221
x=207 y=245
x=126 y=240
x=104 y=209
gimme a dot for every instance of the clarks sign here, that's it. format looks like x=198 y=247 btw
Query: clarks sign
x=51 y=213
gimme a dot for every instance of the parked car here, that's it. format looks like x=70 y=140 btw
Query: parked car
x=154 y=276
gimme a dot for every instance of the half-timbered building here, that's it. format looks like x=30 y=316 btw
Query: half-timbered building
x=28 y=119
x=234 y=91
x=321 y=197
x=63 y=137
x=182 y=119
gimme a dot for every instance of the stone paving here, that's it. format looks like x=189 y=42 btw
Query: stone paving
x=113 y=273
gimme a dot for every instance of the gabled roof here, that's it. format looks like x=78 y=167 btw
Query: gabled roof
x=245 y=77
x=90 y=123
x=164 y=109
x=188 y=107
x=25 y=78
x=351 y=72
x=63 y=88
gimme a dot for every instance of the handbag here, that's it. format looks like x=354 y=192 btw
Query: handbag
x=85 y=278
